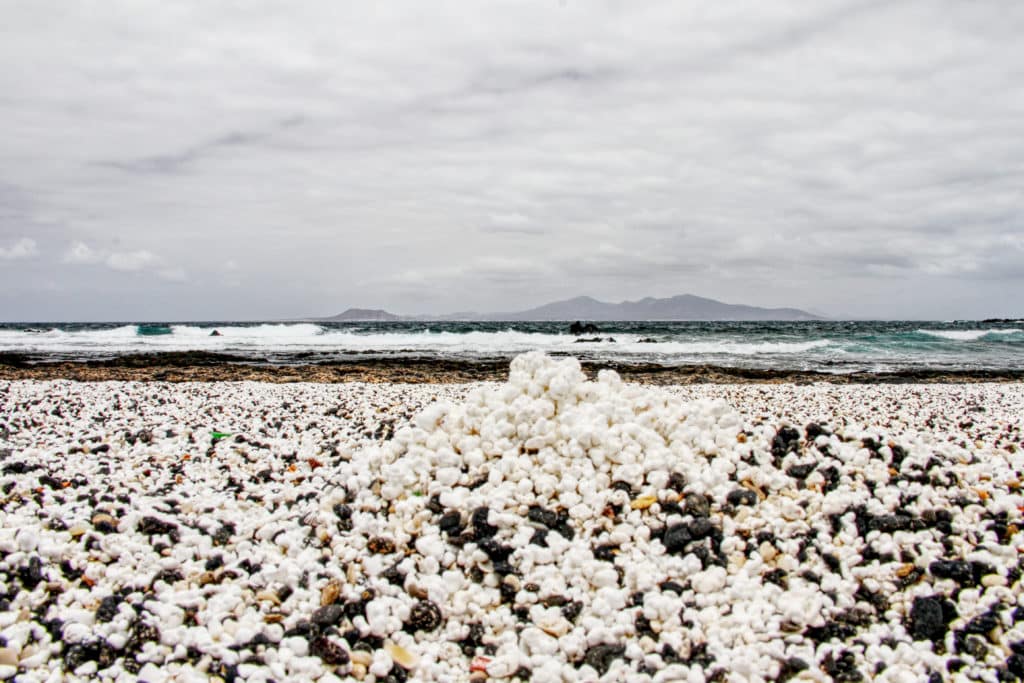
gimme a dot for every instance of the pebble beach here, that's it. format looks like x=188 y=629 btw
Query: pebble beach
x=548 y=527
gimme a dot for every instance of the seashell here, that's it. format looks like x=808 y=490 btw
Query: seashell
x=331 y=592
x=643 y=502
x=402 y=657
x=268 y=596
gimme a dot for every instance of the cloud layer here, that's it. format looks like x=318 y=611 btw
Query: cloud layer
x=861 y=158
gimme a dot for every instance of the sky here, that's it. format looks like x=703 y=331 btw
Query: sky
x=202 y=160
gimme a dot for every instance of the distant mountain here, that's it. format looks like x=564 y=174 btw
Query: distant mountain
x=363 y=315
x=684 y=307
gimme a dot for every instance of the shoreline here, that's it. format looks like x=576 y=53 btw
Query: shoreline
x=192 y=366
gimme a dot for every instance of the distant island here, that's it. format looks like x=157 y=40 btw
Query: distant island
x=683 y=307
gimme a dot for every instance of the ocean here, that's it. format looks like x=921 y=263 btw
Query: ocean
x=824 y=346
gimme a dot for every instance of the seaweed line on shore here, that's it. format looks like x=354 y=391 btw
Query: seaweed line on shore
x=218 y=367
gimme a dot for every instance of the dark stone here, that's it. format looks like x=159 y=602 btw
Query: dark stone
x=929 y=618
x=31 y=573
x=473 y=640
x=801 y=471
x=777 y=577
x=222 y=536
x=600 y=657
x=642 y=625
x=702 y=527
x=394 y=576
x=791 y=667
x=786 y=440
x=677 y=481
x=451 y=523
x=671 y=587
x=434 y=504
x=77 y=654
x=833 y=630
x=606 y=552
x=982 y=624
x=813 y=430
x=424 y=616
x=541 y=516
x=152 y=526
x=481 y=528
x=739 y=497
x=329 y=615
x=964 y=573
x=329 y=651
x=677 y=538
x=572 y=610
x=697 y=505
x=975 y=647
x=578 y=328
x=842 y=668
x=108 y=608
x=1015 y=665
x=890 y=523
x=141 y=634
x=169 y=576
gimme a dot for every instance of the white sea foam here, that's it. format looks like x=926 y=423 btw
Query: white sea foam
x=307 y=336
x=969 y=335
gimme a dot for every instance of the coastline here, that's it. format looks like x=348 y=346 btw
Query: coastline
x=199 y=366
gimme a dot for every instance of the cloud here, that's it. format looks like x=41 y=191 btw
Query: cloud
x=434 y=157
x=81 y=253
x=24 y=248
x=173 y=274
x=130 y=261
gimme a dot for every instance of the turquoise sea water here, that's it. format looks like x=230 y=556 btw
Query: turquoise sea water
x=831 y=346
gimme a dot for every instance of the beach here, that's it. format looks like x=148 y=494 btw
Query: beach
x=552 y=525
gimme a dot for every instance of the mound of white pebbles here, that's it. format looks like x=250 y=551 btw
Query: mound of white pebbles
x=546 y=529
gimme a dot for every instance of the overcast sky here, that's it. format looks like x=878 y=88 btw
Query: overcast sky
x=211 y=160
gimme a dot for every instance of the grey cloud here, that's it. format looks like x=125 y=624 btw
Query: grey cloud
x=178 y=161
x=441 y=157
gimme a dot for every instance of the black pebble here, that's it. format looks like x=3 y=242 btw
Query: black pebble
x=697 y=505
x=480 y=525
x=677 y=538
x=800 y=471
x=791 y=667
x=929 y=618
x=541 y=516
x=328 y=615
x=424 y=616
x=600 y=657
x=451 y=523
x=329 y=651
x=31 y=573
x=108 y=608
x=739 y=497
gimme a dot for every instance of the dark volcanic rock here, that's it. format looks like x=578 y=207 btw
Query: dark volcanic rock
x=424 y=616
x=328 y=615
x=739 y=497
x=600 y=657
x=930 y=617
x=677 y=537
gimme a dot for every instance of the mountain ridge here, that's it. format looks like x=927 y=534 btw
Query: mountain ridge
x=681 y=307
